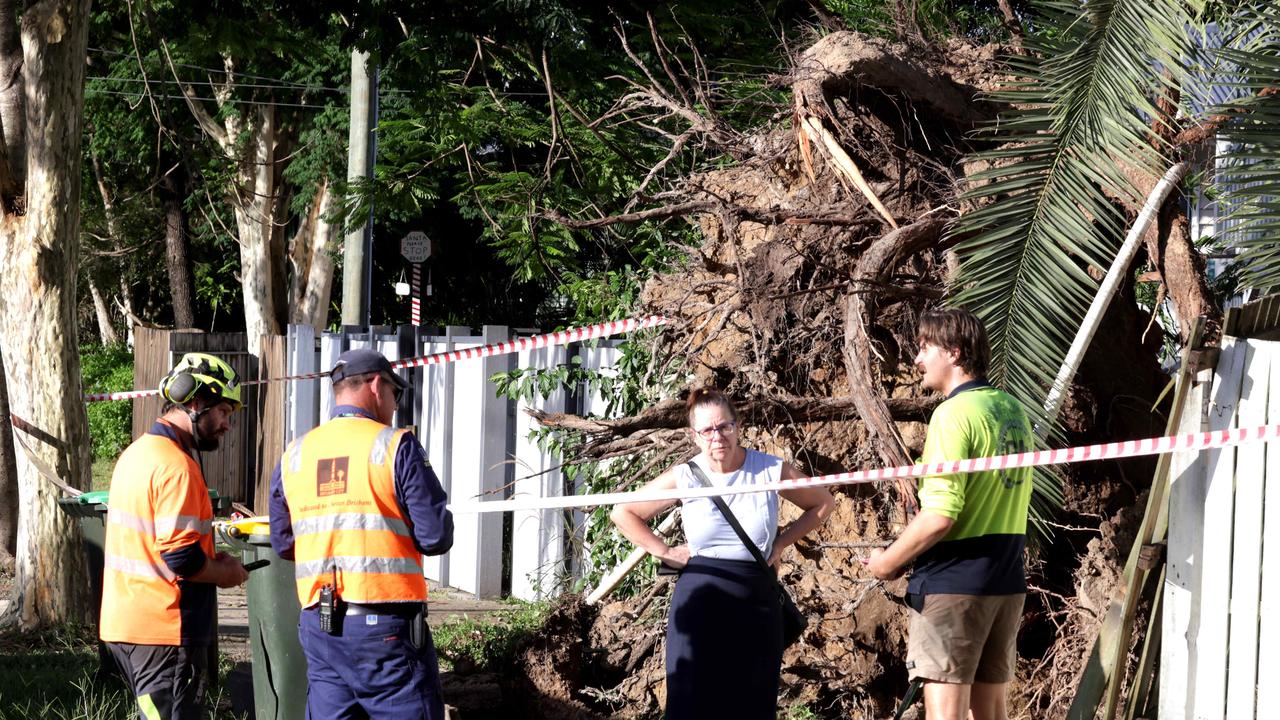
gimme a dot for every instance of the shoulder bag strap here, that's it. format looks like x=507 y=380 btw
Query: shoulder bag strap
x=728 y=516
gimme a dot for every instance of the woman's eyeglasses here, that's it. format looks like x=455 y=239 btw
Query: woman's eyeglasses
x=724 y=428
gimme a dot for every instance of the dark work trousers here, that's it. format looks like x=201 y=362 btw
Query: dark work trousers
x=369 y=670
x=724 y=642
x=169 y=681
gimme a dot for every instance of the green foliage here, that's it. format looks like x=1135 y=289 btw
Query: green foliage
x=1252 y=170
x=489 y=643
x=108 y=368
x=934 y=19
x=798 y=712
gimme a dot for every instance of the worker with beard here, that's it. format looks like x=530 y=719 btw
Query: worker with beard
x=159 y=601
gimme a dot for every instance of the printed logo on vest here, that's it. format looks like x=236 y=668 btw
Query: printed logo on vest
x=331 y=476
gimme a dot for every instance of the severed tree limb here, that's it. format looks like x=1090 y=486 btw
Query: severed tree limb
x=864 y=390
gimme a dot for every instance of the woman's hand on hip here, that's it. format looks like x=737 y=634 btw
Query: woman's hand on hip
x=676 y=556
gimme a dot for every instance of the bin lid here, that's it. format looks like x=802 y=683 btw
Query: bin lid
x=257 y=529
x=99 y=497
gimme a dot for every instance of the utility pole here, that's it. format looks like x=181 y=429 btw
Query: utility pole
x=357 y=256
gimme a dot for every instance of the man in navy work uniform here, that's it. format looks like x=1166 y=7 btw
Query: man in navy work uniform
x=355 y=504
x=968 y=584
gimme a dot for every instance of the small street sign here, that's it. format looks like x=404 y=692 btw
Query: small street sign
x=415 y=247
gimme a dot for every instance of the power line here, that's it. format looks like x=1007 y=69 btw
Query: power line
x=139 y=96
x=111 y=78
x=221 y=71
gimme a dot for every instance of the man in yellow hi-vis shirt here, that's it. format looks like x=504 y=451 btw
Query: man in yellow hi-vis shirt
x=968 y=581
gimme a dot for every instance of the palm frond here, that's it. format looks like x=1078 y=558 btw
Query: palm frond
x=1250 y=171
x=1078 y=121
x=1079 y=124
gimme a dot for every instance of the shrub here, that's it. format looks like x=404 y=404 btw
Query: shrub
x=108 y=368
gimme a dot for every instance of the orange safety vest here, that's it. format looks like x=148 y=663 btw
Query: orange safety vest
x=347 y=524
x=158 y=502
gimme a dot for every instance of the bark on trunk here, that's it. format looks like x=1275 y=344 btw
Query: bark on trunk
x=37 y=282
x=173 y=192
x=1181 y=267
x=255 y=204
x=311 y=253
x=8 y=478
x=106 y=332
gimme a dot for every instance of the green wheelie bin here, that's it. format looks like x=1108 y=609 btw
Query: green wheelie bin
x=279 y=667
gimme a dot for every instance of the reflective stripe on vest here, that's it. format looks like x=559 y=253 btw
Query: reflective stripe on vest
x=350 y=521
x=139 y=568
x=160 y=525
x=348 y=526
x=364 y=565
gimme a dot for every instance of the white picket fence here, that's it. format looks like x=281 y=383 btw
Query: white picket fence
x=479 y=445
x=1220 y=648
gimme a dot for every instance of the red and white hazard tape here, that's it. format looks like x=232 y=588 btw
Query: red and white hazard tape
x=1106 y=451
x=563 y=337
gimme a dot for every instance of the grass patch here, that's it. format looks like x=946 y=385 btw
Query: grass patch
x=101 y=472
x=53 y=675
x=465 y=644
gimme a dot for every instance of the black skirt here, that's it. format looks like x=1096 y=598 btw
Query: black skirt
x=724 y=642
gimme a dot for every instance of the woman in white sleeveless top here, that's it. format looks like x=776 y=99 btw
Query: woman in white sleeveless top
x=724 y=628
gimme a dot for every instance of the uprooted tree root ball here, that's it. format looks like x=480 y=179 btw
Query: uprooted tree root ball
x=822 y=246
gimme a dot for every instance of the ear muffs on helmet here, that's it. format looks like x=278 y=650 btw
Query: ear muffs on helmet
x=196 y=371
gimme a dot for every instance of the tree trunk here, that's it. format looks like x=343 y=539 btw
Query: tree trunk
x=312 y=257
x=126 y=307
x=1181 y=267
x=8 y=478
x=106 y=332
x=37 y=282
x=255 y=209
x=173 y=192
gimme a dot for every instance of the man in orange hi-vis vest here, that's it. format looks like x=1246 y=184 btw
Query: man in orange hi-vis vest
x=158 y=595
x=356 y=505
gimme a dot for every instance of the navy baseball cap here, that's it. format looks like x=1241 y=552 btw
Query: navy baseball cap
x=363 y=361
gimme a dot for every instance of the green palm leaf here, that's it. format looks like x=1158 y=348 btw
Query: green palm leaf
x=1048 y=204
x=1251 y=172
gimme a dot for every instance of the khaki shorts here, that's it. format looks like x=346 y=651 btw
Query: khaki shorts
x=964 y=638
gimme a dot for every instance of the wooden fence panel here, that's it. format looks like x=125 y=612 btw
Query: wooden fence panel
x=1247 y=548
x=1269 y=592
x=539 y=564
x=1209 y=659
x=477 y=470
x=150 y=364
x=271 y=417
x=1186 y=516
x=437 y=431
x=303 y=399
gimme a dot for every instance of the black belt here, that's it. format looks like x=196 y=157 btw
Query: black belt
x=398 y=609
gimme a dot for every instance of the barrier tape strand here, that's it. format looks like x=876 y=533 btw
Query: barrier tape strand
x=563 y=337
x=1105 y=451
